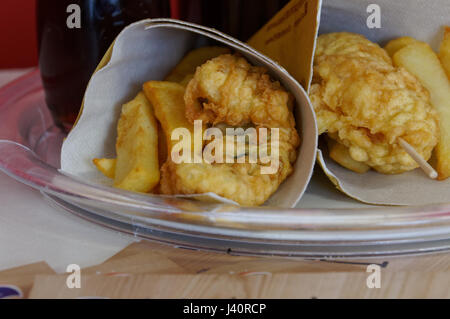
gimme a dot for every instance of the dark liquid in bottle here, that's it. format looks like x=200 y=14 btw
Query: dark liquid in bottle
x=68 y=56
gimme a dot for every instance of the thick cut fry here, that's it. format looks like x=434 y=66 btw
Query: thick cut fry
x=340 y=154
x=137 y=167
x=167 y=99
x=194 y=59
x=444 y=51
x=394 y=45
x=107 y=166
x=420 y=60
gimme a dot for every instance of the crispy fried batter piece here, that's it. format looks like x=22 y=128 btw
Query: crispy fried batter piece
x=365 y=103
x=228 y=90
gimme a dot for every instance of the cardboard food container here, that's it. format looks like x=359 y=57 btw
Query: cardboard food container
x=149 y=50
x=422 y=20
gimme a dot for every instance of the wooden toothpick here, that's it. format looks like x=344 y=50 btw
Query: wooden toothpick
x=419 y=159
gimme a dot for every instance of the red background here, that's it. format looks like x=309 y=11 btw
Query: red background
x=18 y=44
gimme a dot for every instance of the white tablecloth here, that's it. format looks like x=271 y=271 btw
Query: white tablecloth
x=31 y=230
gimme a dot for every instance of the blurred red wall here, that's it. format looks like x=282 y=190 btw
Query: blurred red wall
x=18 y=44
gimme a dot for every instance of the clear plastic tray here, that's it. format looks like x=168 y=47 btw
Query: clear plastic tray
x=326 y=224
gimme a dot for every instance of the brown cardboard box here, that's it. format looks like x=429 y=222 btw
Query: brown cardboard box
x=22 y=277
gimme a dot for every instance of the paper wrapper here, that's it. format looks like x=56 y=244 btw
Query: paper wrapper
x=422 y=20
x=149 y=50
x=289 y=38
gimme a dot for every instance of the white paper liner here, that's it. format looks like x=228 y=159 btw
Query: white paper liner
x=423 y=20
x=148 y=50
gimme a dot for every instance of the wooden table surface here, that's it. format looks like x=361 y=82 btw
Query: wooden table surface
x=151 y=270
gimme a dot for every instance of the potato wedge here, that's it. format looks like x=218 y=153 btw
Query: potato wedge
x=107 y=166
x=340 y=154
x=444 y=51
x=420 y=60
x=137 y=166
x=194 y=59
x=167 y=99
x=394 y=45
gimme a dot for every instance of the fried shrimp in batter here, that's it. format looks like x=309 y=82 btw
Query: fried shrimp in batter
x=228 y=91
x=365 y=103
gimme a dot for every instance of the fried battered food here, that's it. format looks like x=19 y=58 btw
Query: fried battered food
x=228 y=90
x=365 y=103
x=340 y=154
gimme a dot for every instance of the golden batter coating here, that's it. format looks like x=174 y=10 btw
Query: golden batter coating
x=364 y=102
x=228 y=90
